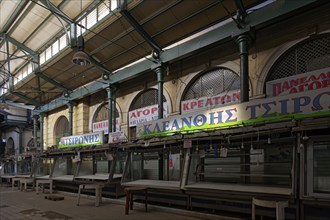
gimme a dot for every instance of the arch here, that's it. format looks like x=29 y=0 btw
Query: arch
x=211 y=82
x=98 y=108
x=284 y=52
x=186 y=81
x=61 y=128
x=153 y=91
x=10 y=146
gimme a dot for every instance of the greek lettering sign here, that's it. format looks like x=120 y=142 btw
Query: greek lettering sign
x=83 y=140
x=117 y=137
x=299 y=83
x=191 y=105
x=145 y=114
x=103 y=126
x=313 y=103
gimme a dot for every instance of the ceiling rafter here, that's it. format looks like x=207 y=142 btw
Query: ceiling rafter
x=127 y=15
x=52 y=81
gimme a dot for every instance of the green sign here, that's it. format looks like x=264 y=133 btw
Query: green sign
x=84 y=140
x=313 y=103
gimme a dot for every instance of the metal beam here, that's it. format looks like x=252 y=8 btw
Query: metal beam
x=218 y=34
x=56 y=11
x=32 y=101
x=19 y=8
x=18 y=44
x=98 y=65
x=140 y=29
x=19 y=105
x=46 y=78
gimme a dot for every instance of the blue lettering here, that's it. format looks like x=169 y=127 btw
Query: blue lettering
x=230 y=115
x=297 y=103
x=316 y=102
x=268 y=108
x=185 y=121
x=146 y=129
x=175 y=125
x=81 y=139
x=253 y=110
x=96 y=138
x=199 y=120
x=219 y=118
x=284 y=106
x=157 y=128
x=165 y=126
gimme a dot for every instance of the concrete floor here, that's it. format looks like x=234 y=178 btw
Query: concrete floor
x=17 y=205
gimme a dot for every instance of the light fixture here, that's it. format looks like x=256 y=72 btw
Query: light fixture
x=81 y=58
x=66 y=94
x=105 y=76
x=4 y=105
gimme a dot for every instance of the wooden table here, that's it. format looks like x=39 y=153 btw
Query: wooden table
x=25 y=181
x=129 y=196
x=98 y=191
x=42 y=182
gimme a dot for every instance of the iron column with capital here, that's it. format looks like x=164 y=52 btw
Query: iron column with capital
x=243 y=44
x=70 y=110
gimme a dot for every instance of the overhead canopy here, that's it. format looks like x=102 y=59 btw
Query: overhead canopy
x=114 y=37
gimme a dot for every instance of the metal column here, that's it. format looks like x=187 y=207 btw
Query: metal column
x=20 y=140
x=113 y=113
x=70 y=110
x=35 y=136
x=160 y=80
x=243 y=42
x=41 y=118
x=109 y=93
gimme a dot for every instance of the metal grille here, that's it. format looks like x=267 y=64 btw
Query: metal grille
x=103 y=114
x=309 y=55
x=62 y=127
x=146 y=98
x=213 y=83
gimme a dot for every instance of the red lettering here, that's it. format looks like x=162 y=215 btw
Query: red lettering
x=185 y=107
x=285 y=87
x=293 y=90
x=216 y=100
x=225 y=99
x=133 y=115
x=146 y=111
x=314 y=85
x=193 y=104
x=154 y=109
x=236 y=97
x=276 y=89
x=208 y=102
x=200 y=103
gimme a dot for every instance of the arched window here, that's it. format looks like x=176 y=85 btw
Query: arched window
x=103 y=114
x=145 y=99
x=61 y=128
x=10 y=146
x=220 y=82
x=308 y=55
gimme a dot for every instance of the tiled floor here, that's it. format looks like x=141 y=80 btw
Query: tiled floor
x=17 y=205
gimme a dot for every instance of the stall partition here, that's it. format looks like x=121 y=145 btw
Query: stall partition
x=159 y=169
x=102 y=167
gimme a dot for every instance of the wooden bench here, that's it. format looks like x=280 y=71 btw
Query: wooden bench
x=42 y=183
x=129 y=197
x=279 y=205
x=98 y=191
